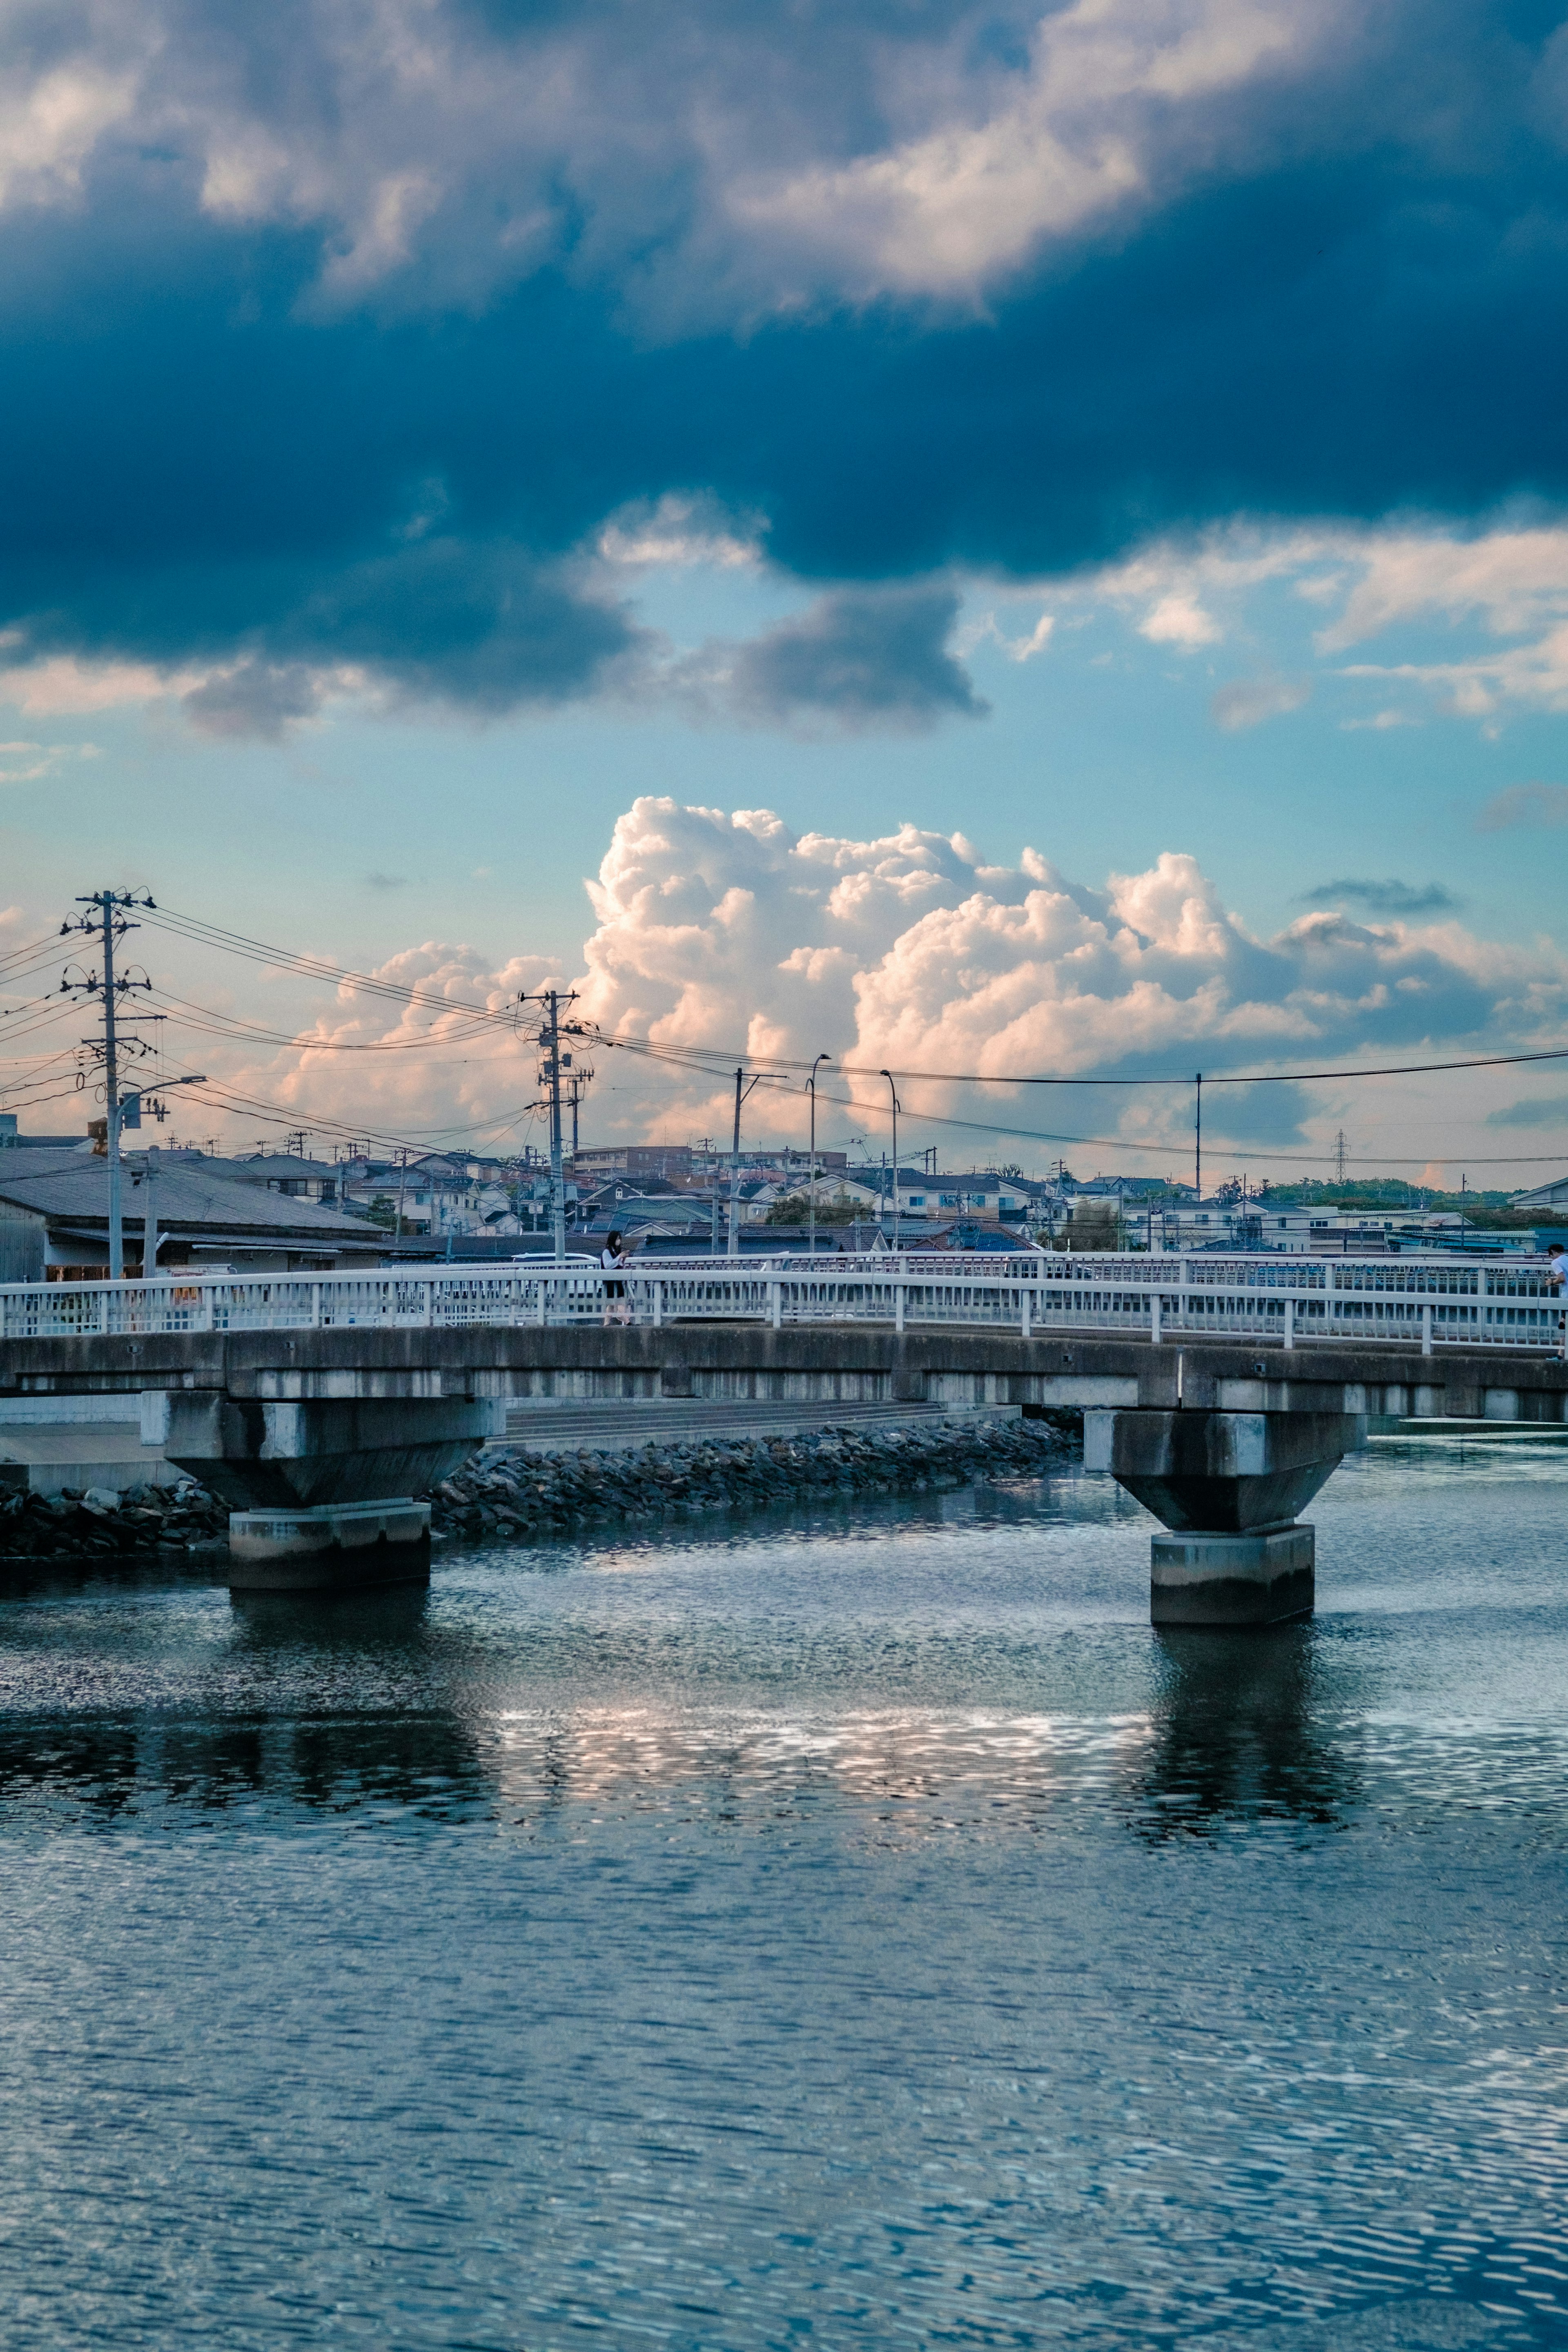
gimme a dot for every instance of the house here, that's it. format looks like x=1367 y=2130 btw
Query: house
x=1553 y=1195
x=206 y=1219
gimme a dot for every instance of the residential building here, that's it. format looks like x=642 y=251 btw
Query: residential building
x=60 y=1202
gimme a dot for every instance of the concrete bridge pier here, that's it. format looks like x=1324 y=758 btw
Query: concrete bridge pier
x=320 y=1489
x=1227 y=1488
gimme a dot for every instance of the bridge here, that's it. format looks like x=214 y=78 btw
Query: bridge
x=1222 y=1391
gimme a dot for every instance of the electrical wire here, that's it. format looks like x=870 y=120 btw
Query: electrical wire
x=218 y=1024
x=710 y=1061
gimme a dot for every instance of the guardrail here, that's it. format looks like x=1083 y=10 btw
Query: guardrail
x=1429 y=1302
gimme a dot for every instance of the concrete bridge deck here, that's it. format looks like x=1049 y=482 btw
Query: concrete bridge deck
x=323 y=1439
x=862 y=1363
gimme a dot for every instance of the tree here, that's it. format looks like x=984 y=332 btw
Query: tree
x=795 y=1209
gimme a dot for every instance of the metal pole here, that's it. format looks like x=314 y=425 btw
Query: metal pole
x=557 y=1174
x=811 y=1083
x=111 y=1082
x=893 y=1091
x=402 y=1189
x=735 y=1250
x=149 y=1218
x=1198 y=1148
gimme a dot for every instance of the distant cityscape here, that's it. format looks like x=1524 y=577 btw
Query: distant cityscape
x=281 y=1210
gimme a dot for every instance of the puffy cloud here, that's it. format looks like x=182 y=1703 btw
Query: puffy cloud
x=719 y=933
x=1104 y=112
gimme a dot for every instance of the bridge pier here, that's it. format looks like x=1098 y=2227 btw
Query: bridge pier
x=1227 y=1487
x=321 y=1490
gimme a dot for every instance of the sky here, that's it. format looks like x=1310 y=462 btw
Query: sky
x=979 y=540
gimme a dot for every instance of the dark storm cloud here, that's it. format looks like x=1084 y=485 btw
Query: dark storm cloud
x=218 y=451
x=860 y=658
x=1535 y=1111
x=1387 y=897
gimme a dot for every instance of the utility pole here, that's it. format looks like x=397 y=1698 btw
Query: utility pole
x=741 y=1094
x=894 y=1092
x=1199 y=1145
x=811 y=1089
x=553 y=1078
x=553 y=999
x=108 y=920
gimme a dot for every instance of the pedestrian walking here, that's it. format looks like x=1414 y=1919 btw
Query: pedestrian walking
x=613 y=1258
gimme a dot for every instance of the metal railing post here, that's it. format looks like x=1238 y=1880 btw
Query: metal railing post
x=1025 y=1306
x=429 y=1300
x=658 y=1301
x=1290 y=1322
x=776 y=1301
x=1155 y=1304
x=897 y=1305
x=1426 y=1330
x=315 y=1307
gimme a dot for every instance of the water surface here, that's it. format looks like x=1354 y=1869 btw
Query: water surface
x=845 y=1930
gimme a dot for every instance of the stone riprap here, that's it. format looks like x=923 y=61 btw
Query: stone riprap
x=515 y=1493
x=108 y=1522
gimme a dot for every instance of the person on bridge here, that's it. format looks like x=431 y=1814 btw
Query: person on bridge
x=613 y=1258
x=1557 y=1274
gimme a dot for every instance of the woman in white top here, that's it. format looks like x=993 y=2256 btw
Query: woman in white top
x=613 y=1257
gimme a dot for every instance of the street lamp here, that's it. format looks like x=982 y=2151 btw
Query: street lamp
x=811 y=1089
x=893 y=1091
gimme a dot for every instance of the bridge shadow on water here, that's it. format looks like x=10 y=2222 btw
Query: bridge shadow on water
x=1241 y=1733
x=336 y=1710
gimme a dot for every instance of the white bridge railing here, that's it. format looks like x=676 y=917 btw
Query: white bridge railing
x=1429 y=1301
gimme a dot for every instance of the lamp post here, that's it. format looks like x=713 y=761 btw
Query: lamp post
x=894 y=1092
x=811 y=1090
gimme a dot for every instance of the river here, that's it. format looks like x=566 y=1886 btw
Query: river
x=835 y=1930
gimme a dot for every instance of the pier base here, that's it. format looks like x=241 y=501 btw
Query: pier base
x=1232 y=1580
x=331 y=1548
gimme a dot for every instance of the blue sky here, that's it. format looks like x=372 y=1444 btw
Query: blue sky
x=1095 y=435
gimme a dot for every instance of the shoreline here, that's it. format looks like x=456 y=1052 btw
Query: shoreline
x=519 y=1494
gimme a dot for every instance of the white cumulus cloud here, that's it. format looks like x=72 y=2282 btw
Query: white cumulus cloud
x=726 y=933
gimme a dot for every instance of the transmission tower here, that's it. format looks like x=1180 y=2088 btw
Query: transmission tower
x=1339 y=1155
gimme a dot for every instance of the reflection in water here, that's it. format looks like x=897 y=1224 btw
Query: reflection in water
x=386 y=1617
x=737 y=1940
x=1238 y=1735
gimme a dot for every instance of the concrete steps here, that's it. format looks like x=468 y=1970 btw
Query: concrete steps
x=617 y=1425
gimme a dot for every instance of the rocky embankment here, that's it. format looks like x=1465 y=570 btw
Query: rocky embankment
x=521 y=1494
x=518 y=1493
x=105 y=1522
